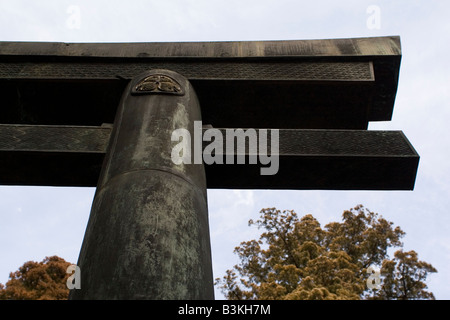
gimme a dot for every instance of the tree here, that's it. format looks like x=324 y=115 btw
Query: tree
x=404 y=277
x=45 y=280
x=298 y=259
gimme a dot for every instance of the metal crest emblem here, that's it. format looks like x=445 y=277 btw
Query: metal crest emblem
x=158 y=84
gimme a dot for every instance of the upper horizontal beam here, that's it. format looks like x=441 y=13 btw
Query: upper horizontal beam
x=354 y=47
x=308 y=159
x=301 y=84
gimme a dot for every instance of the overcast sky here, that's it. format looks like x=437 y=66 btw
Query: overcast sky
x=38 y=222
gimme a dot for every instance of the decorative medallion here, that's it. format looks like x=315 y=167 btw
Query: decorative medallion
x=159 y=84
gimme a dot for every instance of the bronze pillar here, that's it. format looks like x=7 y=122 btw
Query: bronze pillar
x=148 y=233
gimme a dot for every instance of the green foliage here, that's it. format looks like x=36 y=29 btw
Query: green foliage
x=298 y=259
x=45 y=280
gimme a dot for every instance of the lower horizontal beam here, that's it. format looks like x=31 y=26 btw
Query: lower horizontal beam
x=52 y=155
x=308 y=159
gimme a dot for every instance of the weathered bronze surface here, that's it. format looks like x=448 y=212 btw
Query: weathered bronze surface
x=148 y=234
x=350 y=47
x=309 y=159
x=158 y=84
x=338 y=84
x=302 y=84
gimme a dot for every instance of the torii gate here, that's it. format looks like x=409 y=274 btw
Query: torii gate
x=102 y=114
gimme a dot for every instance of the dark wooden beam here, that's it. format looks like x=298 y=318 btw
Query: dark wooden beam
x=308 y=159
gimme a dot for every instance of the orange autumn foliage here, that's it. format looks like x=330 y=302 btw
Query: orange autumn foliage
x=45 y=280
